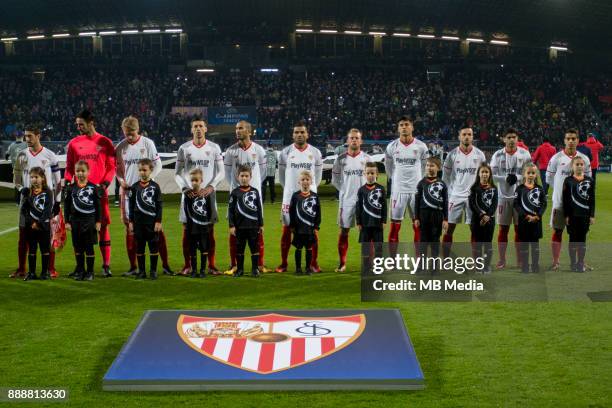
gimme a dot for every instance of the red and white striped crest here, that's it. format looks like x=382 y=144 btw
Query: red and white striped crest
x=269 y=343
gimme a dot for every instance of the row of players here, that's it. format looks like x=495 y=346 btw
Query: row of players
x=404 y=161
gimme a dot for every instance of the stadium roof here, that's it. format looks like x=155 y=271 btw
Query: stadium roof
x=582 y=24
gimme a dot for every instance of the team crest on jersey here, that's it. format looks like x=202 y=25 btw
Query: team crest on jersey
x=250 y=200
x=271 y=342
x=207 y=153
x=148 y=194
x=142 y=152
x=487 y=197
x=84 y=195
x=199 y=206
x=534 y=197
x=98 y=148
x=44 y=163
x=583 y=189
x=435 y=189
x=308 y=205
x=310 y=157
x=375 y=198
x=40 y=201
x=254 y=156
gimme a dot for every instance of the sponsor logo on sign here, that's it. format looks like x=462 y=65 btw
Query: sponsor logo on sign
x=269 y=343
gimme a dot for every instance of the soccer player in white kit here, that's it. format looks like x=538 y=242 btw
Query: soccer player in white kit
x=404 y=163
x=559 y=167
x=127 y=154
x=35 y=155
x=459 y=174
x=507 y=164
x=293 y=160
x=245 y=152
x=205 y=155
x=348 y=176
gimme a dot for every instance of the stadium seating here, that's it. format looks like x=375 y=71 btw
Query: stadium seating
x=539 y=103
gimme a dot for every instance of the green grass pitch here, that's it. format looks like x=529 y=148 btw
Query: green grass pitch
x=66 y=334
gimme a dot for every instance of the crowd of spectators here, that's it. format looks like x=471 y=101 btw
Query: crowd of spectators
x=539 y=102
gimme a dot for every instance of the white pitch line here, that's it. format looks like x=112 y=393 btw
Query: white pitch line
x=9 y=230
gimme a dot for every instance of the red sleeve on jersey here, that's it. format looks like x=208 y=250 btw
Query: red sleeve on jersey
x=110 y=161
x=69 y=163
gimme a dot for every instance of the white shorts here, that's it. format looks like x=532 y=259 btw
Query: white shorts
x=215 y=215
x=346 y=216
x=400 y=202
x=557 y=219
x=506 y=215
x=456 y=207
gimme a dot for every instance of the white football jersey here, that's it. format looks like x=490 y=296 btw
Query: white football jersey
x=460 y=170
x=503 y=164
x=348 y=175
x=128 y=154
x=405 y=164
x=558 y=169
x=254 y=156
x=45 y=159
x=206 y=157
x=292 y=162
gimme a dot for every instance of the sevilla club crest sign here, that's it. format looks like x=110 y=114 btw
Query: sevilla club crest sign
x=271 y=342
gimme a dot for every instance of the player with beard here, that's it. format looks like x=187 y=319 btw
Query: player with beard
x=348 y=175
x=559 y=168
x=35 y=155
x=459 y=174
x=245 y=153
x=128 y=153
x=506 y=164
x=405 y=164
x=293 y=160
x=98 y=151
x=205 y=155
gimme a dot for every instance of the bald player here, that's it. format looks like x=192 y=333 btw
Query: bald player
x=293 y=160
x=245 y=152
x=348 y=175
